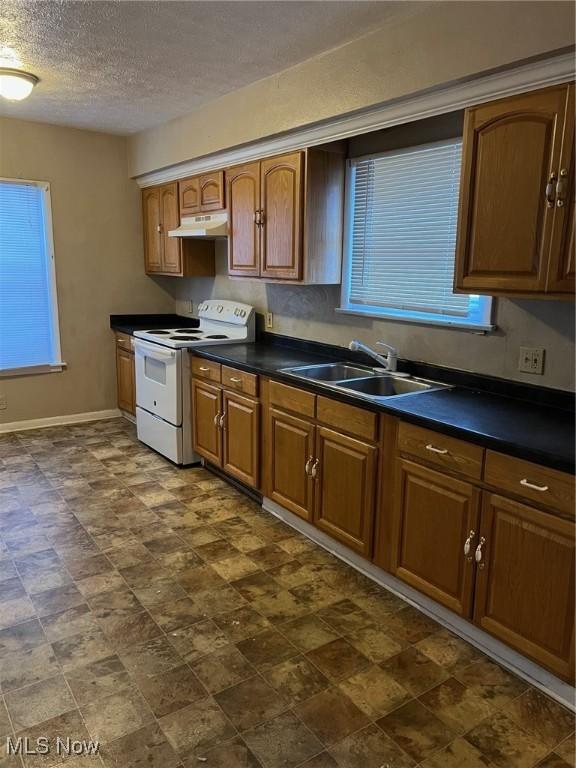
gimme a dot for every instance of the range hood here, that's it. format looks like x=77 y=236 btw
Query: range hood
x=208 y=226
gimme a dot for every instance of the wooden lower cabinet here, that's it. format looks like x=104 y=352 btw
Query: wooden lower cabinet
x=126 y=380
x=207 y=410
x=291 y=451
x=345 y=476
x=525 y=582
x=434 y=515
x=240 y=438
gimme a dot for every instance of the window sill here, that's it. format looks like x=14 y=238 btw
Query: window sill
x=456 y=324
x=32 y=370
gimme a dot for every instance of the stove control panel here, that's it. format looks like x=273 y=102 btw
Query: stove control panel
x=225 y=311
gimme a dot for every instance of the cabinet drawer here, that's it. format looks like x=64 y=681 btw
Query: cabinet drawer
x=124 y=341
x=440 y=450
x=548 y=487
x=347 y=418
x=206 y=369
x=292 y=399
x=240 y=381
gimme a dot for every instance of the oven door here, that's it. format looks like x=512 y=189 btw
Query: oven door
x=159 y=381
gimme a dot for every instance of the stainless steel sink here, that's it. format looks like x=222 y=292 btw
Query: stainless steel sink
x=388 y=386
x=363 y=381
x=330 y=372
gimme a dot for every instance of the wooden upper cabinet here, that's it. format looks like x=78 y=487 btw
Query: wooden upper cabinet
x=201 y=194
x=512 y=157
x=290 y=453
x=243 y=184
x=525 y=582
x=241 y=438
x=434 y=515
x=170 y=219
x=189 y=193
x=152 y=230
x=286 y=217
x=280 y=216
x=345 y=474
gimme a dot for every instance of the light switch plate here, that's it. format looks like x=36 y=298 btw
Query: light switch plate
x=531 y=360
x=269 y=320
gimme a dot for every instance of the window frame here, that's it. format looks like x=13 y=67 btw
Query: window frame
x=484 y=322
x=58 y=364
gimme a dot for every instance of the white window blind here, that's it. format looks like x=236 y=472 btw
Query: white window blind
x=29 y=337
x=401 y=237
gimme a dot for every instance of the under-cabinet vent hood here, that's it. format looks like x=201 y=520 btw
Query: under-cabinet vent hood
x=209 y=226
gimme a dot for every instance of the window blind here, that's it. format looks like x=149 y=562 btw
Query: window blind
x=402 y=239
x=28 y=324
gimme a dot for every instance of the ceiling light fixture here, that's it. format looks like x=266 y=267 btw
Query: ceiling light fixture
x=16 y=85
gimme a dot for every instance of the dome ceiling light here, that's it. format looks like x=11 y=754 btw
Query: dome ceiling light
x=15 y=84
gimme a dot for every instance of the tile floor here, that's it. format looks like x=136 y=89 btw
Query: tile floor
x=162 y=613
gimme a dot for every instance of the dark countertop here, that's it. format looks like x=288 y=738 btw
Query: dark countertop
x=130 y=323
x=525 y=429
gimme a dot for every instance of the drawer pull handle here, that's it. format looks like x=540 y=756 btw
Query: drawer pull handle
x=204 y=368
x=478 y=554
x=308 y=465
x=441 y=451
x=468 y=545
x=533 y=487
x=314 y=470
x=221 y=421
x=235 y=380
x=217 y=419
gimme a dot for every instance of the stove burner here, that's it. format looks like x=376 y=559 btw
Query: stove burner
x=158 y=333
x=184 y=338
x=186 y=330
x=216 y=336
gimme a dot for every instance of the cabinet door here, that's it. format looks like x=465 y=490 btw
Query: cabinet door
x=152 y=229
x=125 y=381
x=212 y=191
x=241 y=438
x=525 y=582
x=345 y=473
x=561 y=274
x=243 y=193
x=511 y=147
x=434 y=514
x=281 y=205
x=291 y=449
x=170 y=218
x=189 y=193
x=206 y=412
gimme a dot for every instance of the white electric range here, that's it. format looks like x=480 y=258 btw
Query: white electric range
x=163 y=407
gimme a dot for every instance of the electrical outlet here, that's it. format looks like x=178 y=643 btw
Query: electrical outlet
x=269 y=320
x=531 y=360
x=3 y=403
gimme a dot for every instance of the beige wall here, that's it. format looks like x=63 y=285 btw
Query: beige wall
x=308 y=313
x=99 y=266
x=442 y=43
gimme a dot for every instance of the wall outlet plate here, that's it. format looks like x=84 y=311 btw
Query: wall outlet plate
x=269 y=320
x=531 y=360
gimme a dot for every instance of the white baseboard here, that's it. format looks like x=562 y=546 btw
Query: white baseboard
x=502 y=654
x=56 y=421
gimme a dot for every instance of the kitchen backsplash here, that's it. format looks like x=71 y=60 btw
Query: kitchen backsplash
x=307 y=312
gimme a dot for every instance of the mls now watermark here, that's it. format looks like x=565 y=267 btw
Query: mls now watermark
x=43 y=745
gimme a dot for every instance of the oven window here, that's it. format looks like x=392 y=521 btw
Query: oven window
x=155 y=370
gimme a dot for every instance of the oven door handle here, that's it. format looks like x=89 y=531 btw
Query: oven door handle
x=153 y=350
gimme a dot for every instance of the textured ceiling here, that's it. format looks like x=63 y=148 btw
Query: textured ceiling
x=125 y=66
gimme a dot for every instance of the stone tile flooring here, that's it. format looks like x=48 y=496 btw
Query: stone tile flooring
x=162 y=613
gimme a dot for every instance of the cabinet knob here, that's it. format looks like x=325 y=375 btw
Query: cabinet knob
x=468 y=545
x=221 y=421
x=314 y=470
x=308 y=465
x=478 y=553
x=217 y=419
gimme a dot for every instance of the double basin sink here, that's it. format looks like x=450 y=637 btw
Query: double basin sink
x=373 y=384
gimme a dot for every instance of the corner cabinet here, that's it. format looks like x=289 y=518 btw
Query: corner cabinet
x=164 y=255
x=286 y=217
x=516 y=216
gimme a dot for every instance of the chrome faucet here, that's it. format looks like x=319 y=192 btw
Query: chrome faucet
x=387 y=362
